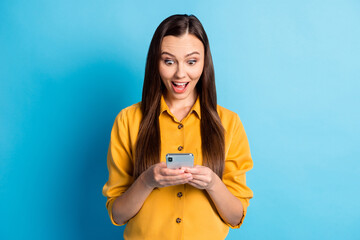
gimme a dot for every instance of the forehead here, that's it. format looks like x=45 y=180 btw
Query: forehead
x=182 y=45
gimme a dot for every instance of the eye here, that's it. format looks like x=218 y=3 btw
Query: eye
x=192 y=61
x=169 y=62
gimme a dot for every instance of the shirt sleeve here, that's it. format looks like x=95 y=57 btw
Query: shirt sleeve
x=238 y=161
x=118 y=162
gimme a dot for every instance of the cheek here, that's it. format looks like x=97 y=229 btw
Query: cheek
x=166 y=72
x=195 y=73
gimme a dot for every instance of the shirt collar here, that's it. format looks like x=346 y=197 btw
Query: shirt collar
x=195 y=108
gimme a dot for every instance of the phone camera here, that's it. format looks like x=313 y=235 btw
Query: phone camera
x=170 y=159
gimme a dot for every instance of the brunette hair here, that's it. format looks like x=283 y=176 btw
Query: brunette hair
x=212 y=132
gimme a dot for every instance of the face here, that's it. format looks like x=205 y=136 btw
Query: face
x=181 y=65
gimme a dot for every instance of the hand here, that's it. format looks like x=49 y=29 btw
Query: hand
x=202 y=177
x=158 y=175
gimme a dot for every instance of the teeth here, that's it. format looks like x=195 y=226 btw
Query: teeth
x=179 y=84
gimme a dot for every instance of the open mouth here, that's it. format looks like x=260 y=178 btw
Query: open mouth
x=179 y=87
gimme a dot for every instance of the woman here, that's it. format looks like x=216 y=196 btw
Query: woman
x=178 y=114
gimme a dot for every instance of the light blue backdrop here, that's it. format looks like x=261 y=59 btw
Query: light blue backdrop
x=290 y=69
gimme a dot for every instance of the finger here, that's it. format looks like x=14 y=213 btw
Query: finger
x=174 y=183
x=175 y=180
x=171 y=172
x=197 y=170
x=162 y=164
x=197 y=184
x=202 y=178
x=160 y=176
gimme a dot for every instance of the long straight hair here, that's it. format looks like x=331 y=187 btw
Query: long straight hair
x=212 y=132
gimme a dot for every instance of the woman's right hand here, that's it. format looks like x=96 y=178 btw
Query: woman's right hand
x=158 y=175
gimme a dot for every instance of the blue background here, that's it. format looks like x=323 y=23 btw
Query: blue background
x=290 y=69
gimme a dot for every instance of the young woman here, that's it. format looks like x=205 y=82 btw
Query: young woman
x=178 y=114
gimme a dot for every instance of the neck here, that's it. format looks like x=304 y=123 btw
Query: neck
x=174 y=103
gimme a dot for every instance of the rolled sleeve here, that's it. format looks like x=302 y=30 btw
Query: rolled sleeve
x=237 y=162
x=119 y=163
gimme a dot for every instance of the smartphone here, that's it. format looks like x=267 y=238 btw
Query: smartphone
x=178 y=160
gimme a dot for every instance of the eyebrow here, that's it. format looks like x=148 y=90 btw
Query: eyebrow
x=195 y=52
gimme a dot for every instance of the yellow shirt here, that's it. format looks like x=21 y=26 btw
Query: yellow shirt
x=182 y=211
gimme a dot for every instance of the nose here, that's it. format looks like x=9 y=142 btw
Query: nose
x=180 y=71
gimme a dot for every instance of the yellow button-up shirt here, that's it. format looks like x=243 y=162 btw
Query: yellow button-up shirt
x=181 y=211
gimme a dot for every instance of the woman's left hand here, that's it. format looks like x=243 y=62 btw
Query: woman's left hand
x=203 y=177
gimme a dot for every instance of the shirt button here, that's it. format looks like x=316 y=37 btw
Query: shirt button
x=179 y=194
x=180 y=126
x=178 y=220
x=180 y=148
